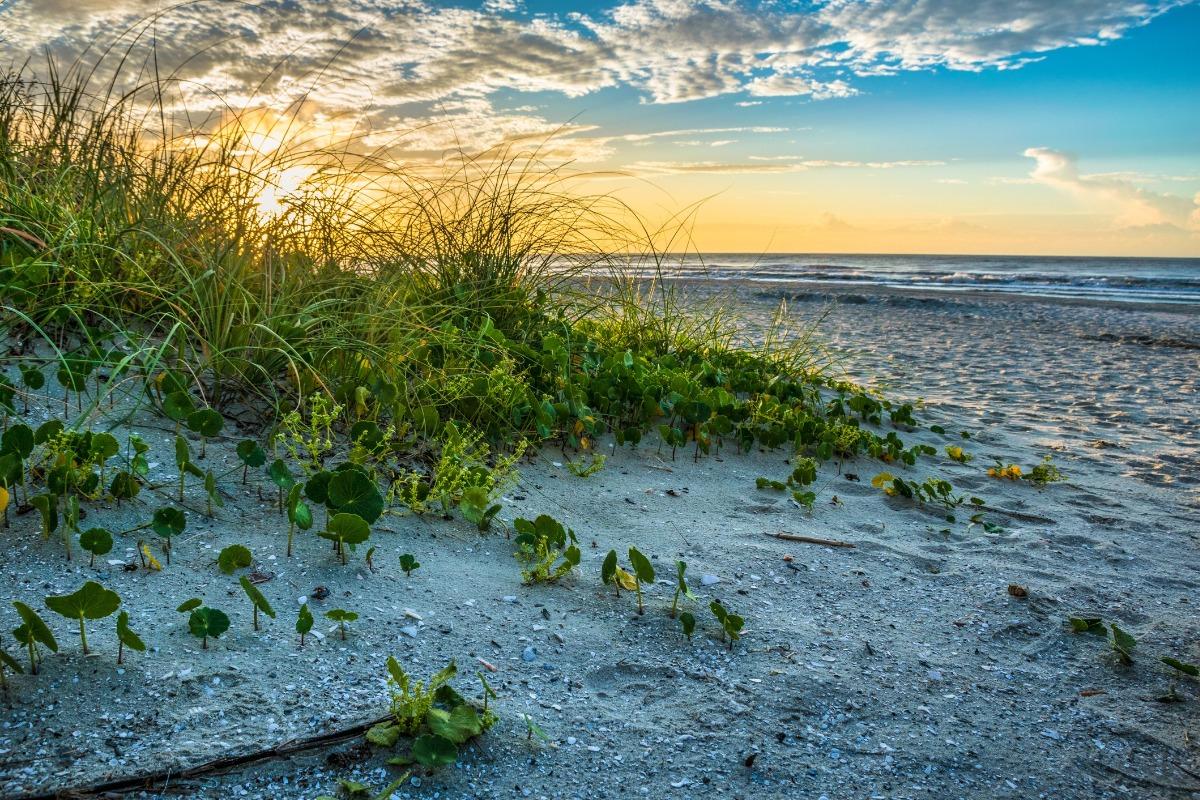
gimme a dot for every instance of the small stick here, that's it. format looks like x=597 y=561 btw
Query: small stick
x=791 y=537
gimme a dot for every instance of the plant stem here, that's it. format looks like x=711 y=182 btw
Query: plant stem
x=83 y=635
x=256 y=616
x=120 y=651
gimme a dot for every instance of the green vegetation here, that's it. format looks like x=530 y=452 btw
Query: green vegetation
x=437 y=717
x=546 y=548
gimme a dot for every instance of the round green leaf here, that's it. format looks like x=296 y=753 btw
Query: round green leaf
x=91 y=601
x=188 y=605
x=233 y=557
x=168 y=522
x=206 y=422
x=17 y=439
x=350 y=528
x=178 y=405
x=352 y=492
x=96 y=541
x=251 y=454
x=206 y=621
x=432 y=750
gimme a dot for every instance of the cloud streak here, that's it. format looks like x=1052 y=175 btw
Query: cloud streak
x=1134 y=206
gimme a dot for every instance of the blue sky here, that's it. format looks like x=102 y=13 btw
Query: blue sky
x=1055 y=126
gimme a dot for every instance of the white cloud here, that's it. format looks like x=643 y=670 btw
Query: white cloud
x=1133 y=205
x=394 y=51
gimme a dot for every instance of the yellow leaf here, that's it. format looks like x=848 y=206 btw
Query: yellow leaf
x=151 y=561
x=626 y=580
x=879 y=480
x=3 y=499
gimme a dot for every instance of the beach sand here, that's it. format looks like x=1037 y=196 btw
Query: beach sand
x=902 y=667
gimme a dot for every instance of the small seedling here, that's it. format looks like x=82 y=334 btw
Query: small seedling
x=956 y=453
x=299 y=514
x=251 y=455
x=32 y=632
x=688 y=623
x=183 y=462
x=212 y=495
x=341 y=617
x=282 y=477
x=532 y=729
x=126 y=637
x=476 y=507
x=304 y=623
x=7 y=662
x=234 y=557
x=731 y=624
x=408 y=564
x=585 y=469
x=643 y=570
x=96 y=541
x=168 y=522
x=90 y=601
x=346 y=529
x=1045 y=473
x=205 y=622
x=256 y=599
x=541 y=543
x=681 y=587
x=207 y=423
x=1122 y=644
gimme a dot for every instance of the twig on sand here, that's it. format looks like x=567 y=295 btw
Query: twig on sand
x=792 y=537
x=151 y=781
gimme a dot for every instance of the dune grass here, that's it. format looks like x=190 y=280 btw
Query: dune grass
x=481 y=295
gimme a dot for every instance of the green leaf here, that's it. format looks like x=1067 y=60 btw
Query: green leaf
x=126 y=635
x=104 y=446
x=168 y=522
x=256 y=597
x=457 y=725
x=188 y=605
x=96 y=541
x=280 y=475
x=688 y=623
x=1093 y=625
x=251 y=454
x=641 y=566
x=206 y=621
x=178 y=405
x=304 y=621
x=408 y=563
x=90 y=601
x=36 y=625
x=352 y=492
x=432 y=750
x=206 y=422
x=1123 y=643
x=383 y=734
x=233 y=557
x=1186 y=669
x=183 y=455
x=608 y=570
x=47 y=431
x=317 y=487
x=18 y=439
x=349 y=528
x=341 y=615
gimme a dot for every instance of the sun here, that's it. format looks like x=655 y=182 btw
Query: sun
x=282 y=189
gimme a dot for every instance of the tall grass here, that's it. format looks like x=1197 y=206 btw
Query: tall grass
x=120 y=222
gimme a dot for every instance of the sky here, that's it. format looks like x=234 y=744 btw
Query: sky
x=906 y=126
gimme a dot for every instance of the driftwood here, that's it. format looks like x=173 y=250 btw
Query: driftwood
x=792 y=537
x=158 y=781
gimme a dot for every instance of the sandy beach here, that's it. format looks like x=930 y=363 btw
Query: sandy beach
x=903 y=667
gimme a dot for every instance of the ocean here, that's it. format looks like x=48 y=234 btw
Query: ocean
x=1121 y=280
